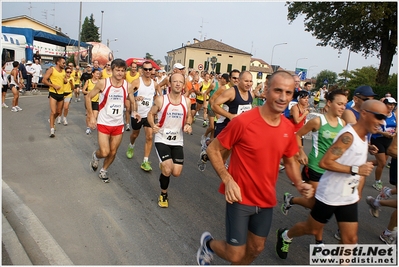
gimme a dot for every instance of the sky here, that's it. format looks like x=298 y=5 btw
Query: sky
x=158 y=27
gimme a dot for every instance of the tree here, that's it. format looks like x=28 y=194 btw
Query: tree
x=148 y=56
x=366 y=27
x=365 y=75
x=89 y=31
x=328 y=75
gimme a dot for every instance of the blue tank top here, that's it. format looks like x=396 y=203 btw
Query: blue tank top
x=237 y=106
x=388 y=126
x=355 y=112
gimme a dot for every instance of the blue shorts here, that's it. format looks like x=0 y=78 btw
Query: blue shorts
x=242 y=218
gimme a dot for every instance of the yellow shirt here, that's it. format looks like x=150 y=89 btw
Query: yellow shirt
x=77 y=80
x=57 y=78
x=204 y=87
x=67 y=86
x=130 y=78
x=105 y=75
x=90 y=86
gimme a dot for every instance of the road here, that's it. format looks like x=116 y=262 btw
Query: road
x=63 y=214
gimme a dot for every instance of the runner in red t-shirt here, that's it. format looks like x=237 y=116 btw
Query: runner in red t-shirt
x=258 y=138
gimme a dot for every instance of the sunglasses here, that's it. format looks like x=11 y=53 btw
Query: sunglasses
x=378 y=116
x=68 y=72
x=107 y=64
x=182 y=69
x=235 y=78
x=361 y=98
x=147 y=69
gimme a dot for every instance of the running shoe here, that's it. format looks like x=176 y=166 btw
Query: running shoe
x=79 y=99
x=377 y=185
x=52 y=134
x=374 y=211
x=282 y=246
x=59 y=120
x=201 y=165
x=127 y=127
x=18 y=108
x=130 y=151
x=384 y=194
x=204 y=254
x=65 y=122
x=337 y=235
x=281 y=167
x=204 y=124
x=103 y=175
x=88 y=131
x=4 y=105
x=202 y=140
x=388 y=165
x=14 y=109
x=388 y=239
x=286 y=203
x=163 y=201
x=94 y=162
x=146 y=166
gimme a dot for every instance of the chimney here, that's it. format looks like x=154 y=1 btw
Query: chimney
x=188 y=43
x=196 y=41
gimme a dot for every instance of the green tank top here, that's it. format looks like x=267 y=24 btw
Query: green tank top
x=321 y=141
x=212 y=92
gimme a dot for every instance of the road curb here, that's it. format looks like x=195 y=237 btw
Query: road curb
x=12 y=245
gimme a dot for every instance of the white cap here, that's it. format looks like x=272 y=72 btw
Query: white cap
x=29 y=62
x=390 y=100
x=178 y=66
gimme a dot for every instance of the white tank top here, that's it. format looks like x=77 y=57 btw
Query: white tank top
x=339 y=189
x=148 y=92
x=111 y=104
x=171 y=120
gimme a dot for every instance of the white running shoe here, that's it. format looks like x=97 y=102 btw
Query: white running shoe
x=4 y=105
x=65 y=121
x=52 y=134
x=59 y=120
x=14 y=109
x=18 y=108
x=88 y=131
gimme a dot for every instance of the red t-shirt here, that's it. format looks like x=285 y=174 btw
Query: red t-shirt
x=257 y=149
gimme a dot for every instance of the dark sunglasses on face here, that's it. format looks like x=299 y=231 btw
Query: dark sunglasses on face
x=107 y=64
x=235 y=78
x=68 y=72
x=378 y=116
x=147 y=69
x=361 y=98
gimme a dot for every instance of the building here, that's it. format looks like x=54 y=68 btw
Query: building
x=210 y=55
x=259 y=70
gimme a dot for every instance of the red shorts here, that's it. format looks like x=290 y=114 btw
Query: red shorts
x=110 y=130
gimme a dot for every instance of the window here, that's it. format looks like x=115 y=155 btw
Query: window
x=207 y=53
x=8 y=55
x=206 y=65
x=218 y=67
x=243 y=68
x=219 y=55
x=191 y=64
x=229 y=67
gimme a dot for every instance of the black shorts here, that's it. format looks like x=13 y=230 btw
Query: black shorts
x=393 y=172
x=58 y=97
x=193 y=106
x=199 y=101
x=322 y=212
x=4 y=88
x=94 y=105
x=166 y=152
x=382 y=143
x=136 y=125
x=218 y=128
x=77 y=86
x=315 y=102
x=309 y=174
x=242 y=218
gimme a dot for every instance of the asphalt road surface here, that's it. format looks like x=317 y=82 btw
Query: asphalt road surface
x=64 y=214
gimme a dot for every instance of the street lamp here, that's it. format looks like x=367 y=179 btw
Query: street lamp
x=102 y=16
x=313 y=66
x=296 y=64
x=271 y=60
x=108 y=41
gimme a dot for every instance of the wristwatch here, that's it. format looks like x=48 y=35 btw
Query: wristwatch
x=354 y=170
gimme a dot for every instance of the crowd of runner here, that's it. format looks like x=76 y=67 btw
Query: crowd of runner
x=241 y=121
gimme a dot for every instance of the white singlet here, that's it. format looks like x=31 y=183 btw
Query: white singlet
x=111 y=104
x=171 y=121
x=148 y=92
x=339 y=189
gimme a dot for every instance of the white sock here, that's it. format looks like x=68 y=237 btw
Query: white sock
x=285 y=236
x=145 y=159
x=95 y=156
x=131 y=145
x=376 y=203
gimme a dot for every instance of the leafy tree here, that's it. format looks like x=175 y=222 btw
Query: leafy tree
x=366 y=27
x=323 y=75
x=365 y=75
x=89 y=31
x=148 y=56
